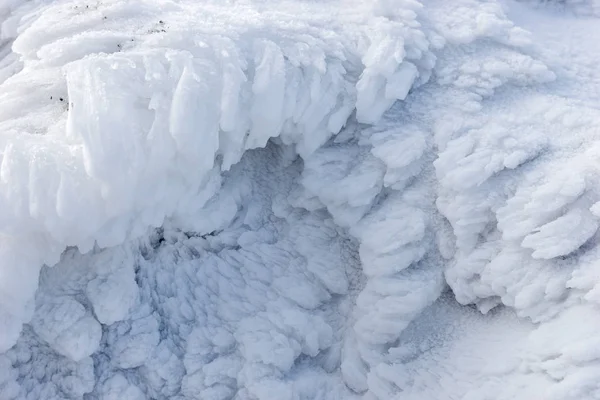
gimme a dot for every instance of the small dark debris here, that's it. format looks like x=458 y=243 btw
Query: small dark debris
x=105 y=17
x=193 y=234
x=61 y=99
x=50 y=97
x=161 y=22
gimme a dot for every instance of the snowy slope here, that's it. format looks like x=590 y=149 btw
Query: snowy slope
x=293 y=200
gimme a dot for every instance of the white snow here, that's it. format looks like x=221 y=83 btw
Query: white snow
x=287 y=200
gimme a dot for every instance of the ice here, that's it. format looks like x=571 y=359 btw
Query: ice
x=113 y=292
x=298 y=200
x=563 y=235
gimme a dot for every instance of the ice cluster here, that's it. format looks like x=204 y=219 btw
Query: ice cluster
x=298 y=200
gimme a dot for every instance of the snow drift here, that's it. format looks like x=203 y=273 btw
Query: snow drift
x=297 y=200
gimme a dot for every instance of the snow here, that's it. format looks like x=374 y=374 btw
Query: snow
x=382 y=199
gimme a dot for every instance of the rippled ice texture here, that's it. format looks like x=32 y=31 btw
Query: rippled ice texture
x=288 y=200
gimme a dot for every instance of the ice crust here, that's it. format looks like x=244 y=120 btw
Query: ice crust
x=287 y=200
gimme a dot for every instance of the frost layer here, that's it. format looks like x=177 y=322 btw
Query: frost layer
x=268 y=200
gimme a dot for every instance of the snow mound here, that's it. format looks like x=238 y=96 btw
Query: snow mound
x=295 y=200
x=123 y=151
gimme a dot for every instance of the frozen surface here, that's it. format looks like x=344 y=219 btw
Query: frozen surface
x=298 y=200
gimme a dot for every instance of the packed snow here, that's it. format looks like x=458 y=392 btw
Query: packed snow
x=298 y=200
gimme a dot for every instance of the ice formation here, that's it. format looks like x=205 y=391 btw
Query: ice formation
x=287 y=200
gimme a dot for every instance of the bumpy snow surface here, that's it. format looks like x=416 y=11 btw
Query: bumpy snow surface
x=288 y=200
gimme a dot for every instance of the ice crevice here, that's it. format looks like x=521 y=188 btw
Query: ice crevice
x=286 y=200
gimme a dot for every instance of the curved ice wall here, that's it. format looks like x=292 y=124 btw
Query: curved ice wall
x=270 y=200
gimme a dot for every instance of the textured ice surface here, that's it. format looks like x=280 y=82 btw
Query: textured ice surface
x=287 y=200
